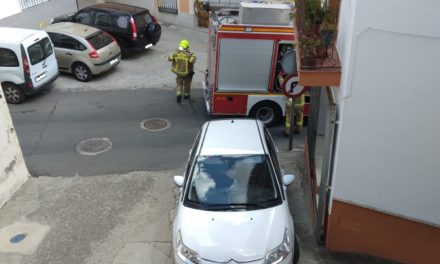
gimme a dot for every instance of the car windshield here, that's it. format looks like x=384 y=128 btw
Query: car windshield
x=100 y=40
x=232 y=182
x=39 y=51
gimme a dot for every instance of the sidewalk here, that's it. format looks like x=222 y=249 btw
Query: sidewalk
x=99 y=219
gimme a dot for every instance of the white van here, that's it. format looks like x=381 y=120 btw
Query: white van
x=27 y=62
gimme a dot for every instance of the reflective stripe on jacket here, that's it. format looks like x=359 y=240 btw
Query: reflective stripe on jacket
x=300 y=101
x=182 y=62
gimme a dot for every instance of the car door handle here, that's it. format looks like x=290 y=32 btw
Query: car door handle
x=69 y=54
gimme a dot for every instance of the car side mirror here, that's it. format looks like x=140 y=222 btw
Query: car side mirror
x=178 y=180
x=288 y=179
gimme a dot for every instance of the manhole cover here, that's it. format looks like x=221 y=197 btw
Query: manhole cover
x=93 y=146
x=155 y=124
x=17 y=238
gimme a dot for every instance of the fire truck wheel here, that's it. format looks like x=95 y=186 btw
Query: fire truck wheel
x=268 y=112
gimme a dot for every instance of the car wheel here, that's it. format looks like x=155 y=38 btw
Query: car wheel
x=13 y=94
x=82 y=72
x=267 y=112
x=296 y=251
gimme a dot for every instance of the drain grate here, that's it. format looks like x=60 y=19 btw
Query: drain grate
x=17 y=238
x=155 y=124
x=93 y=146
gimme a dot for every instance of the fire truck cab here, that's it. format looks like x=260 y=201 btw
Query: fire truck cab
x=248 y=56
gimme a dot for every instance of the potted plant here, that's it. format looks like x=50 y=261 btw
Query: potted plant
x=315 y=12
x=321 y=50
x=308 y=51
x=327 y=29
x=327 y=32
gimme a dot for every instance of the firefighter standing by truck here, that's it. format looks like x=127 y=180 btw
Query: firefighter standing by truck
x=298 y=104
x=183 y=66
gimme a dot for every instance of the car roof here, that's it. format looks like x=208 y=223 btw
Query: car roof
x=72 y=28
x=232 y=137
x=13 y=35
x=120 y=7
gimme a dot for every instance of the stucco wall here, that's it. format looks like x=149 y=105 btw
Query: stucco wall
x=32 y=17
x=12 y=8
x=149 y=4
x=387 y=152
x=13 y=172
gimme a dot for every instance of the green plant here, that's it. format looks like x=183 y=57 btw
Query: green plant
x=314 y=10
x=327 y=27
x=308 y=46
x=327 y=32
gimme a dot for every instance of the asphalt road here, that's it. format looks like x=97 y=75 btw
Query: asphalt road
x=50 y=125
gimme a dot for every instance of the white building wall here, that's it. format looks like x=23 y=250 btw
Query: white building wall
x=388 y=142
x=9 y=8
x=13 y=172
x=38 y=15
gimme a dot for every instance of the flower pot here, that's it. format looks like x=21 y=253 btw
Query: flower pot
x=326 y=37
x=320 y=51
x=308 y=61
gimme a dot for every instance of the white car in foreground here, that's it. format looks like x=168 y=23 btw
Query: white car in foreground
x=233 y=206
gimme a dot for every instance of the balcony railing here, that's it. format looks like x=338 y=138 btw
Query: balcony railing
x=317 y=57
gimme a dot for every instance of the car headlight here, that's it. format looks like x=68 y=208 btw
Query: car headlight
x=185 y=253
x=280 y=253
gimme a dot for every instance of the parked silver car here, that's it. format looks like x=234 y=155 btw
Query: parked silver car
x=83 y=50
x=232 y=190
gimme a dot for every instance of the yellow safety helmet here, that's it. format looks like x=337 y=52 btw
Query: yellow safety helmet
x=184 y=44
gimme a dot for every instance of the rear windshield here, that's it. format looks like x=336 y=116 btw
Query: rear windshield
x=142 y=20
x=40 y=50
x=101 y=40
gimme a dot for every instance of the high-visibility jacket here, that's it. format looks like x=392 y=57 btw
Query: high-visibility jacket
x=182 y=62
x=298 y=104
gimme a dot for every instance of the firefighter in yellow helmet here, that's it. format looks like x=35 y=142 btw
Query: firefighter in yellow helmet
x=183 y=66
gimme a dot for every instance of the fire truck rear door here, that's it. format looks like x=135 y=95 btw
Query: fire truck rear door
x=244 y=65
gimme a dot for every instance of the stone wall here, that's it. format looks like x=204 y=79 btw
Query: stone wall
x=13 y=171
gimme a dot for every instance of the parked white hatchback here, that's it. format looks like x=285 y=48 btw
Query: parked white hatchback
x=233 y=206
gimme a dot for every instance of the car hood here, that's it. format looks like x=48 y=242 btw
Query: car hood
x=234 y=235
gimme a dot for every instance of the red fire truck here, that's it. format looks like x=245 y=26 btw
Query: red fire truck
x=246 y=66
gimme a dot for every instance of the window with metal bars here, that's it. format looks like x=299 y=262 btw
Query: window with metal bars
x=25 y=4
x=167 y=6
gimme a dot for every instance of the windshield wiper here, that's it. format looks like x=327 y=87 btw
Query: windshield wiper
x=192 y=203
x=235 y=206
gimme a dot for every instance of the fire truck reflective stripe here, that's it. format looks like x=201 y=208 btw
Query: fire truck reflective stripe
x=261 y=35
x=255 y=94
x=258 y=29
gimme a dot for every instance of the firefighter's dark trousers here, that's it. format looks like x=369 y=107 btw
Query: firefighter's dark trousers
x=184 y=84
